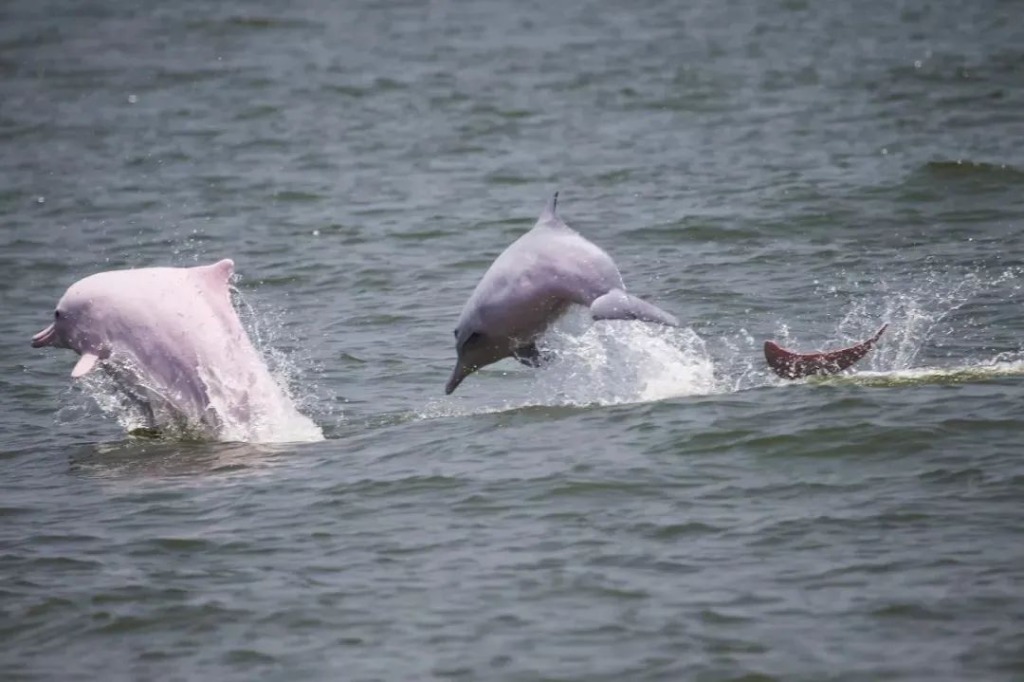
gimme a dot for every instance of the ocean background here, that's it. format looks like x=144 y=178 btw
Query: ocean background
x=655 y=504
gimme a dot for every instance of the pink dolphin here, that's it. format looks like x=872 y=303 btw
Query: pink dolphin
x=173 y=343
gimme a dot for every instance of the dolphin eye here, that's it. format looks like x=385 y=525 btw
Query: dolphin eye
x=455 y=333
x=56 y=314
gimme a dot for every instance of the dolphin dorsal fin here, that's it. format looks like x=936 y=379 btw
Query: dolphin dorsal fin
x=220 y=272
x=224 y=268
x=550 y=211
x=549 y=218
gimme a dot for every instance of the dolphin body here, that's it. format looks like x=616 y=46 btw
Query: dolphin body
x=173 y=344
x=530 y=285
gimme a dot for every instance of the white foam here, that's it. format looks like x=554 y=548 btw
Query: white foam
x=256 y=409
x=614 y=362
x=603 y=363
x=930 y=375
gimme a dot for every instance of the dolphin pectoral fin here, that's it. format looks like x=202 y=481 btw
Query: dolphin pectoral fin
x=85 y=364
x=791 y=365
x=618 y=305
x=528 y=354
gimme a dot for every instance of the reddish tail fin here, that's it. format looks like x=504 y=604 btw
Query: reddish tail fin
x=790 y=365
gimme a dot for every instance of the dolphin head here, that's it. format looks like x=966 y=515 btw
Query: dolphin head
x=475 y=350
x=73 y=327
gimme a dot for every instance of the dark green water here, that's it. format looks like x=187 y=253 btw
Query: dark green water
x=653 y=505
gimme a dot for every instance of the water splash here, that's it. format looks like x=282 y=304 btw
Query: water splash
x=255 y=409
x=920 y=314
x=739 y=362
x=611 y=363
x=604 y=363
x=263 y=408
x=996 y=369
x=100 y=394
x=290 y=364
x=914 y=315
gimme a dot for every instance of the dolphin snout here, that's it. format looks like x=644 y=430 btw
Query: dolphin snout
x=45 y=337
x=458 y=374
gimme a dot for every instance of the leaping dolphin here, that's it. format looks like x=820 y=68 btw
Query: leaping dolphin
x=174 y=345
x=530 y=285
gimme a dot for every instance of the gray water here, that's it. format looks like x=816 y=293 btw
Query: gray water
x=653 y=505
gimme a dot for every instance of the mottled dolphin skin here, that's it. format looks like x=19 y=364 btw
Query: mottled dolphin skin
x=174 y=345
x=530 y=285
x=792 y=365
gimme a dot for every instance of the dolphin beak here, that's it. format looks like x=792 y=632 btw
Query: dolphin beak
x=45 y=337
x=458 y=374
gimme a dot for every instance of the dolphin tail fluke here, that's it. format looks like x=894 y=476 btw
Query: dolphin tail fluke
x=618 y=305
x=791 y=365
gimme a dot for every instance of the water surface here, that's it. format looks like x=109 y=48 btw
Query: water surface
x=652 y=506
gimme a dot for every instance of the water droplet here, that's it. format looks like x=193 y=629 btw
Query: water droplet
x=885 y=151
x=316 y=233
x=132 y=99
x=40 y=199
x=917 y=63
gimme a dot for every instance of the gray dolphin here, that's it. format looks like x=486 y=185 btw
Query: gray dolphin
x=530 y=285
